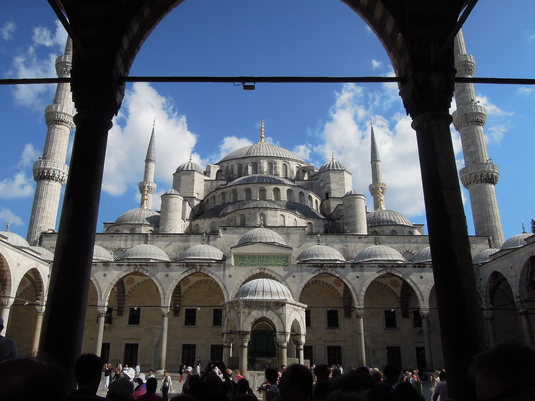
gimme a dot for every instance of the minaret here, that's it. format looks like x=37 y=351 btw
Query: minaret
x=480 y=174
x=377 y=187
x=147 y=187
x=50 y=171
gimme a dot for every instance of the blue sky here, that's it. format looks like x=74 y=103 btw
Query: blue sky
x=264 y=38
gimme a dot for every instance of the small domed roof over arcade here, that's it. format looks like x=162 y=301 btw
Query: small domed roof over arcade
x=387 y=218
x=379 y=253
x=264 y=289
x=45 y=253
x=422 y=256
x=146 y=252
x=484 y=256
x=101 y=254
x=516 y=241
x=14 y=239
x=321 y=253
x=262 y=235
x=203 y=252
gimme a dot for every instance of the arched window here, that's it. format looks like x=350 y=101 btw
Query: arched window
x=247 y=193
x=262 y=219
x=301 y=198
x=242 y=220
x=262 y=194
x=240 y=169
x=282 y=220
x=255 y=168
x=227 y=172
x=296 y=172
x=276 y=194
x=223 y=197
x=270 y=168
x=213 y=201
x=295 y=222
x=317 y=205
x=310 y=202
x=290 y=195
x=310 y=228
x=218 y=175
x=285 y=170
x=234 y=195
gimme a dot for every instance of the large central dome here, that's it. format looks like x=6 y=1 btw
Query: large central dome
x=262 y=149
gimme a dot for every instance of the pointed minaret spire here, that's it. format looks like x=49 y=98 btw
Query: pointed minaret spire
x=148 y=187
x=262 y=136
x=50 y=171
x=480 y=175
x=377 y=187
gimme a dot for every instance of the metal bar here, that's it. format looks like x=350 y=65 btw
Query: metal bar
x=310 y=80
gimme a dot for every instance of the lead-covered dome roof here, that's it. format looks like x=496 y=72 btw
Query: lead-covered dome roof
x=15 y=239
x=202 y=252
x=190 y=166
x=379 y=253
x=422 y=256
x=484 y=256
x=261 y=149
x=139 y=216
x=46 y=254
x=146 y=252
x=516 y=241
x=264 y=289
x=101 y=254
x=261 y=179
x=321 y=253
x=332 y=165
x=262 y=235
x=387 y=218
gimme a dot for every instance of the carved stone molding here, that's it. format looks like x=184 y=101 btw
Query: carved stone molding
x=50 y=170
x=465 y=65
x=467 y=115
x=481 y=173
x=59 y=114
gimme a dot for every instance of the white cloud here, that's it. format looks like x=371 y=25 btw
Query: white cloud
x=303 y=151
x=375 y=65
x=495 y=133
x=8 y=216
x=29 y=156
x=229 y=144
x=525 y=90
x=7 y=30
x=20 y=186
x=492 y=109
x=129 y=139
x=38 y=60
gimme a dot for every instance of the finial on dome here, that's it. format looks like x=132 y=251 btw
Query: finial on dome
x=8 y=225
x=319 y=242
x=262 y=136
x=191 y=157
x=523 y=228
x=203 y=238
x=332 y=157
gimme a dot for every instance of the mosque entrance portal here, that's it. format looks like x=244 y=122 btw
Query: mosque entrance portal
x=262 y=349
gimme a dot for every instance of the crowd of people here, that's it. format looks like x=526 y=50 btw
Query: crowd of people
x=28 y=378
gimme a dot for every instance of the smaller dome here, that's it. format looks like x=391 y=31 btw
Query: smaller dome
x=387 y=218
x=139 y=216
x=484 y=256
x=264 y=289
x=203 y=252
x=171 y=192
x=15 y=239
x=101 y=254
x=45 y=253
x=146 y=252
x=190 y=166
x=332 y=165
x=516 y=241
x=422 y=256
x=352 y=192
x=321 y=253
x=262 y=235
x=379 y=253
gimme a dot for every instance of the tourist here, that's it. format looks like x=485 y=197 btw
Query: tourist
x=150 y=395
x=167 y=385
x=88 y=372
x=8 y=347
x=295 y=383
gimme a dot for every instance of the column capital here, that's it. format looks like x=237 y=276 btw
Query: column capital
x=359 y=313
x=244 y=338
x=424 y=313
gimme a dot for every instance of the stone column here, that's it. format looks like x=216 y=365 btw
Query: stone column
x=526 y=326
x=245 y=337
x=361 y=348
x=282 y=347
x=5 y=312
x=227 y=348
x=427 y=94
x=299 y=350
x=424 y=313
x=165 y=324
x=489 y=320
x=40 y=309
x=101 y=319
x=97 y=94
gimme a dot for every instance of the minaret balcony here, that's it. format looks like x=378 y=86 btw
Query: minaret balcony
x=465 y=64
x=470 y=114
x=59 y=114
x=481 y=173
x=64 y=66
x=50 y=170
